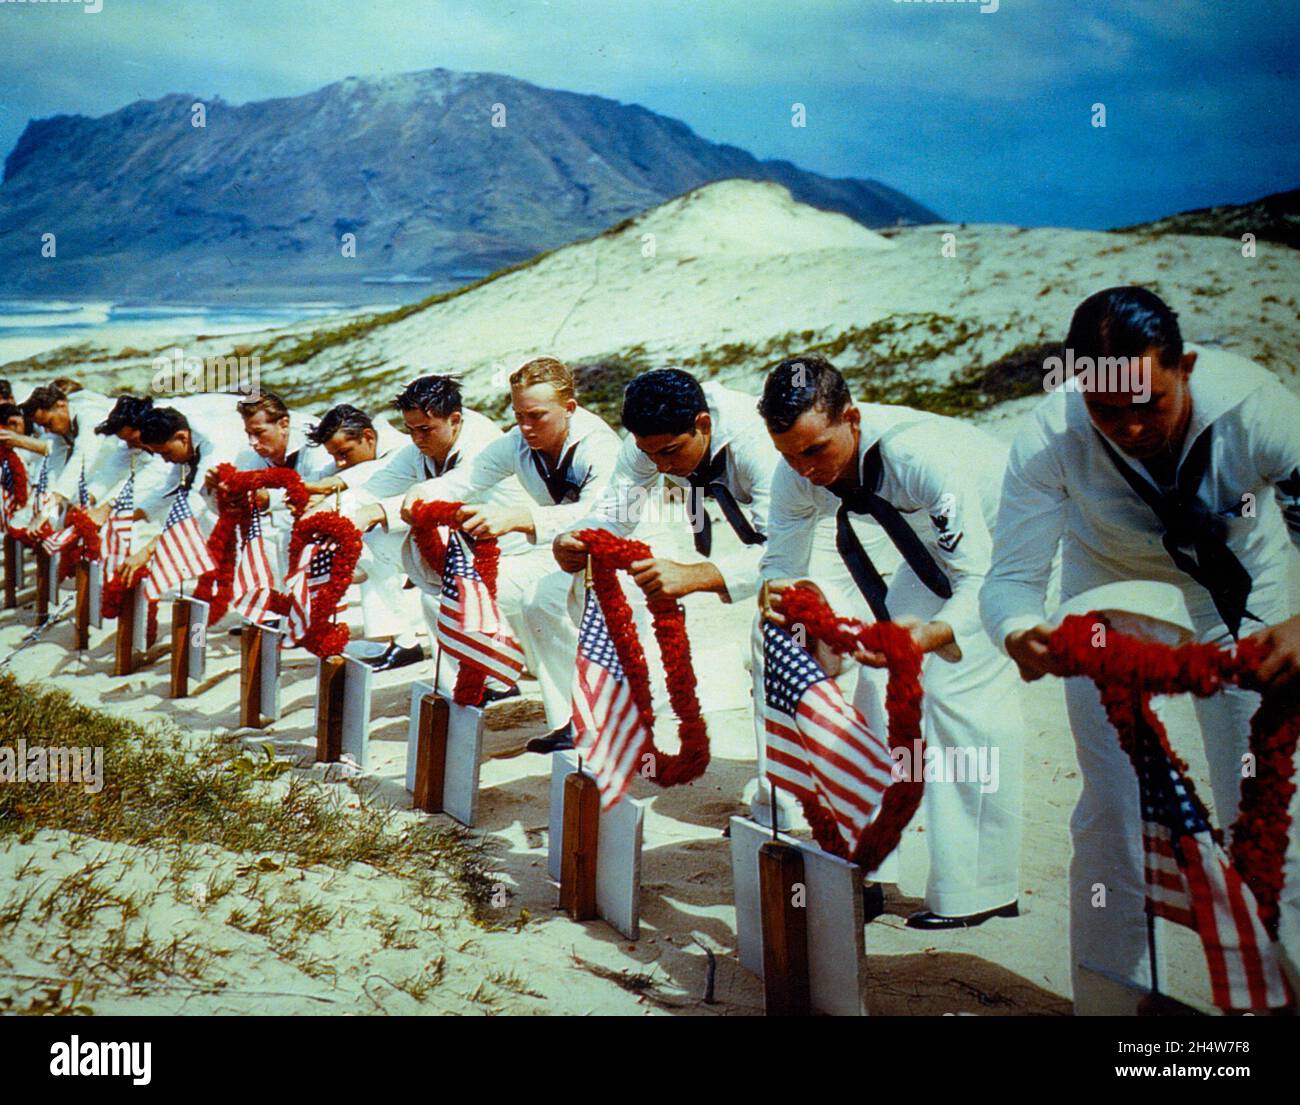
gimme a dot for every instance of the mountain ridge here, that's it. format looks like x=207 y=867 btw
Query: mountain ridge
x=146 y=204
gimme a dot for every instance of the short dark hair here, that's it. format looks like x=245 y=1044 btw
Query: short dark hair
x=1125 y=322
x=799 y=385
x=161 y=424
x=44 y=398
x=8 y=410
x=662 y=401
x=436 y=395
x=345 y=419
x=266 y=402
x=129 y=410
x=6 y=391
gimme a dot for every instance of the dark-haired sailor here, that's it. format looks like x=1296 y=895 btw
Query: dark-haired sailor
x=194 y=453
x=358 y=446
x=68 y=420
x=444 y=436
x=930 y=483
x=709 y=441
x=1171 y=472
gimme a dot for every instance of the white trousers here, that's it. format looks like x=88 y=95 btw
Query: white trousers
x=1108 y=931
x=386 y=609
x=974 y=734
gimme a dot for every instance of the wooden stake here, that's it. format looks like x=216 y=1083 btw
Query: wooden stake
x=329 y=709
x=42 y=585
x=786 y=991
x=581 y=841
x=83 y=606
x=124 y=652
x=11 y=573
x=181 y=611
x=250 y=677
x=431 y=753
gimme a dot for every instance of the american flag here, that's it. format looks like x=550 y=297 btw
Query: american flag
x=1191 y=881
x=312 y=572
x=818 y=746
x=470 y=627
x=254 y=580
x=181 y=552
x=118 y=529
x=67 y=535
x=8 y=492
x=39 y=499
x=608 y=729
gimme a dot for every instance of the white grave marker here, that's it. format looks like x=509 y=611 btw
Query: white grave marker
x=836 y=949
x=618 y=854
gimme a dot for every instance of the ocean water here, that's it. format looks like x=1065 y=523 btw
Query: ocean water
x=29 y=327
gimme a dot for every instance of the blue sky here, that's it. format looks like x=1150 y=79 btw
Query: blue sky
x=983 y=116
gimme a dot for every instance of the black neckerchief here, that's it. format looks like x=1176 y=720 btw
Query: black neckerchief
x=707 y=483
x=1189 y=524
x=862 y=498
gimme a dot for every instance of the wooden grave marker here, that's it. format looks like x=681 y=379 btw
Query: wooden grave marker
x=444 y=752
x=14 y=570
x=189 y=643
x=602 y=853
x=129 y=639
x=343 y=689
x=828 y=962
x=259 y=675
x=81 y=619
x=47 y=583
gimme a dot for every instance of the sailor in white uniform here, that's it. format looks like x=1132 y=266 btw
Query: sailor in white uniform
x=194 y=453
x=70 y=421
x=359 y=447
x=563 y=456
x=931 y=484
x=277 y=438
x=121 y=455
x=445 y=436
x=1174 y=475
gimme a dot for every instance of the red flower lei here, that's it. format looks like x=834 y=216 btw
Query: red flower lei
x=235 y=513
x=427 y=519
x=10 y=457
x=903 y=697
x=111 y=597
x=610 y=554
x=324 y=636
x=85 y=546
x=1128 y=672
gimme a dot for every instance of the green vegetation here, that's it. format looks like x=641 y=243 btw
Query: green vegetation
x=157 y=793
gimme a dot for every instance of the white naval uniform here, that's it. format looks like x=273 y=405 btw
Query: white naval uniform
x=115 y=460
x=213 y=448
x=309 y=461
x=387 y=483
x=1062 y=488
x=943 y=475
x=87 y=409
x=750 y=458
x=535 y=596
x=385 y=612
x=740 y=437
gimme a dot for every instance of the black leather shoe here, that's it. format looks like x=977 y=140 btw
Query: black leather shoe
x=558 y=740
x=394 y=657
x=873 y=901
x=499 y=694
x=926 y=919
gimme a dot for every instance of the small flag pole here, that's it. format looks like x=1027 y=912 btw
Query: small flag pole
x=765 y=605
